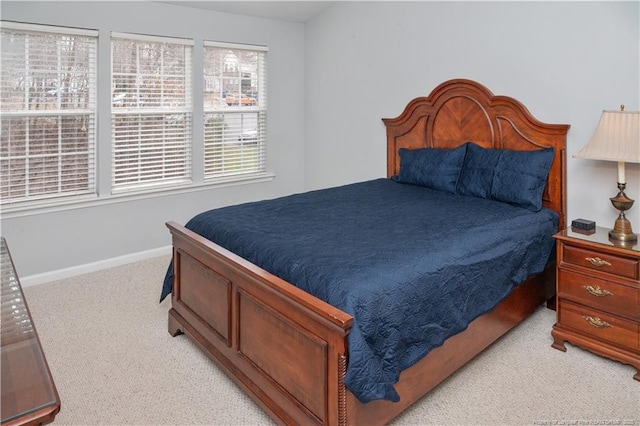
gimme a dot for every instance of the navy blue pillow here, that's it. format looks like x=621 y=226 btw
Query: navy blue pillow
x=478 y=168
x=514 y=177
x=431 y=167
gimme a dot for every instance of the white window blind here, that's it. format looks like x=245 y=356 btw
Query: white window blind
x=235 y=109
x=48 y=109
x=151 y=110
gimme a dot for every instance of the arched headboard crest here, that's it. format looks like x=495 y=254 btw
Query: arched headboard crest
x=459 y=111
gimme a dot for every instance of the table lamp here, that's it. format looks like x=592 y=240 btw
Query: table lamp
x=617 y=138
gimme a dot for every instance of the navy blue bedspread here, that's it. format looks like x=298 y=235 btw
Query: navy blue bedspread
x=412 y=265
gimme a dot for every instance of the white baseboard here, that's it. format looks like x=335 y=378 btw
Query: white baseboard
x=73 y=271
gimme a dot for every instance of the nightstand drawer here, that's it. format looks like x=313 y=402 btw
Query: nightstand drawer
x=600 y=294
x=601 y=261
x=599 y=325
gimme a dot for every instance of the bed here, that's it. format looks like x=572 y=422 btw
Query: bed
x=350 y=354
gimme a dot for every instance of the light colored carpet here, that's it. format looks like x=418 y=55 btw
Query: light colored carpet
x=114 y=363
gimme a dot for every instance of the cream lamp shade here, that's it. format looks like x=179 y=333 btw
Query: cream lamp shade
x=617 y=138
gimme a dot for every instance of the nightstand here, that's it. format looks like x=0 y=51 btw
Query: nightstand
x=598 y=296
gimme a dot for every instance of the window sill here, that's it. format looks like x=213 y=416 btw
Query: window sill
x=93 y=201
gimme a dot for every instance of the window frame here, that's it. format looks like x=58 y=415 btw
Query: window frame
x=241 y=146
x=89 y=114
x=163 y=169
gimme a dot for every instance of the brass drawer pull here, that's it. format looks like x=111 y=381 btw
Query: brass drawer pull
x=596 y=322
x=596 y=261
x=597 y=291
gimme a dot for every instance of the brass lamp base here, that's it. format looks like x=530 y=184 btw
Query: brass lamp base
x=622 y=228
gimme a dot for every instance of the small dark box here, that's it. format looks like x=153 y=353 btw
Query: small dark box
x=583 y=224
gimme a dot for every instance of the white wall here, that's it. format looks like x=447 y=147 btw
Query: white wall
x=332 y=79
x=68 y=239
x=566 y=61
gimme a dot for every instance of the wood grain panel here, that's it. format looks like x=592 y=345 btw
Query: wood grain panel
x=600 y=294
x=602 y=262
x=461 y=119
x=259 y=327
x=608 y=327
x=206 y=294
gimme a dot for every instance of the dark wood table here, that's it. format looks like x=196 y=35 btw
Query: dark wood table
x=29 y=396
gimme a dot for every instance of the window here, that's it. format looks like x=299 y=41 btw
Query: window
x=48 y=111
x=48 y=108
x=235 y=110
x=151 y=112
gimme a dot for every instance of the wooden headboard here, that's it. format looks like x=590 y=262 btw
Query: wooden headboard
x=459 y=111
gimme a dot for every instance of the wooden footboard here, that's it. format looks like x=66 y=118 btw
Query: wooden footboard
x=288 y=350
x=285 y=348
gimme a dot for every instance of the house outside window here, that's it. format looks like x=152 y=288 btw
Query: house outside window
x=235 y=110
x=48 y=114
x=151 y=112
